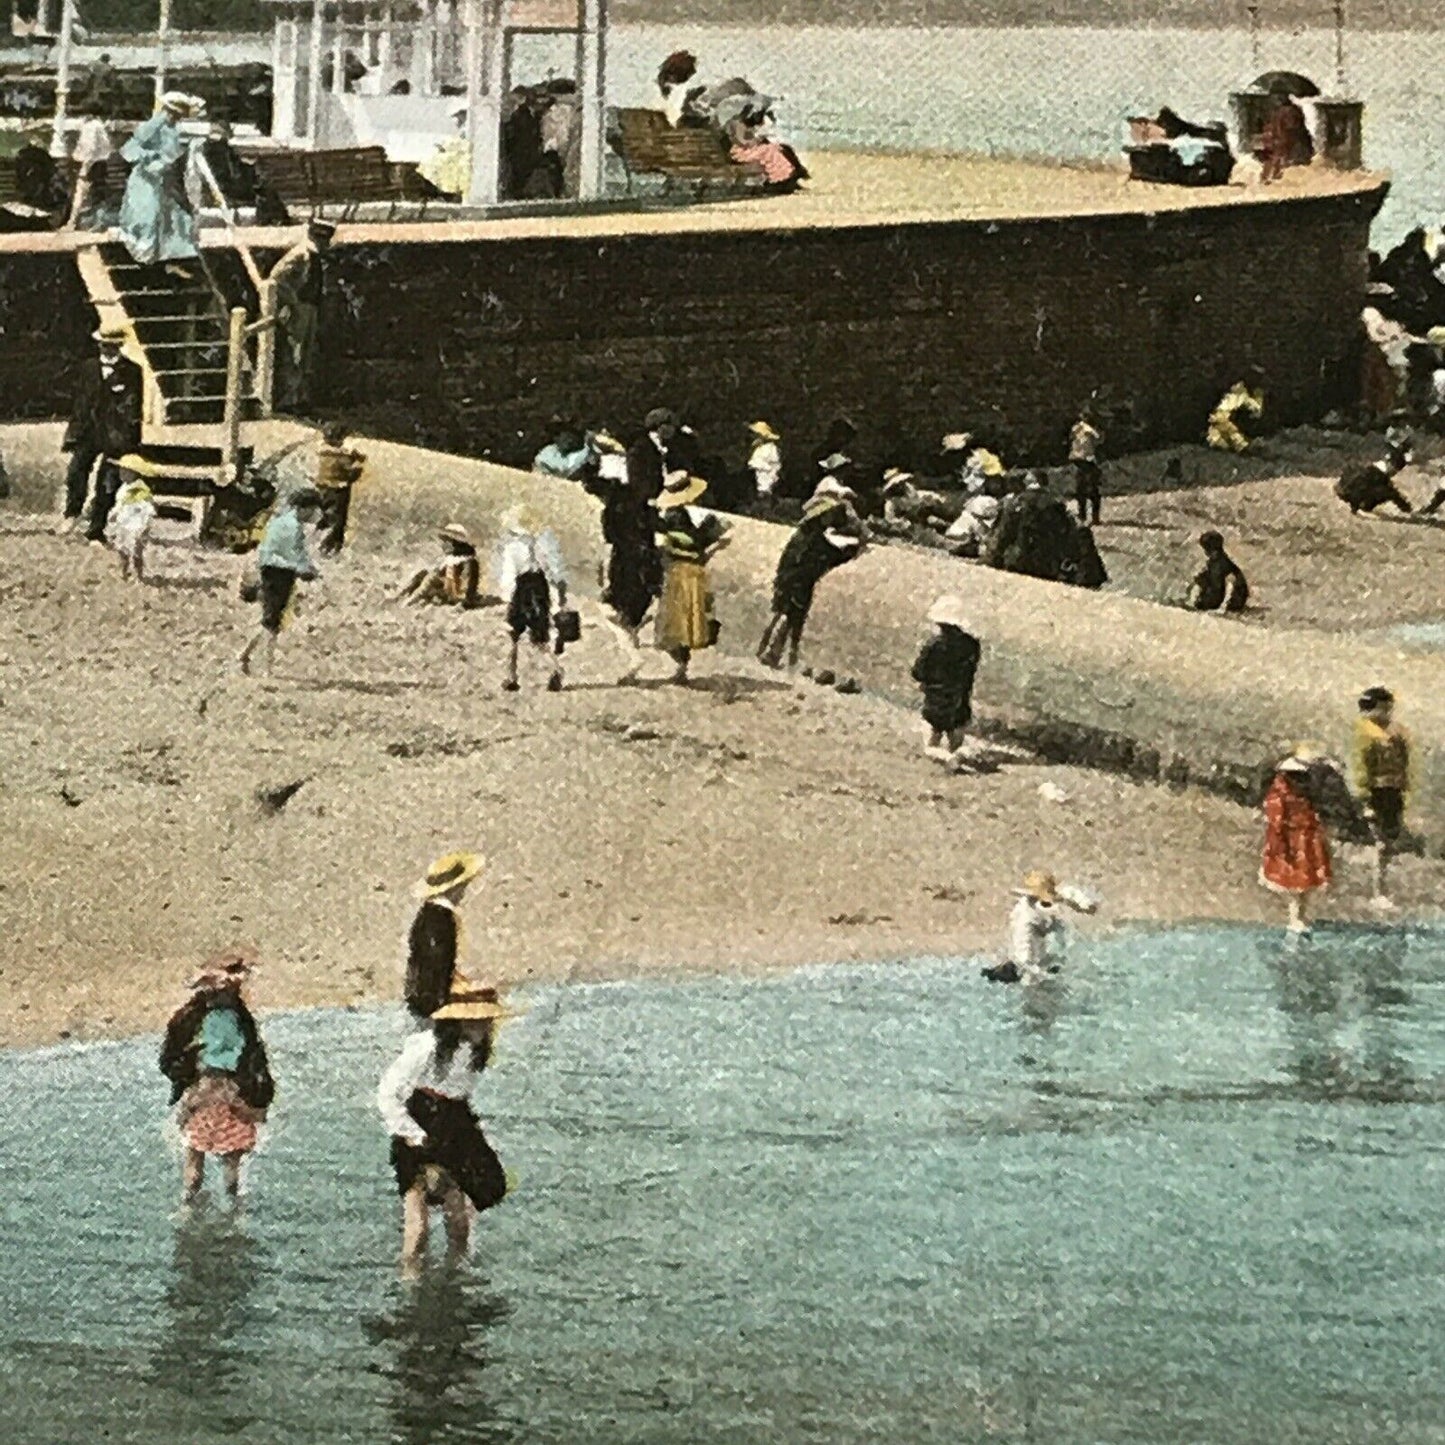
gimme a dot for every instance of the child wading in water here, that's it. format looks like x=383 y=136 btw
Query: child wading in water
x=439 y=1154
x=1036 y=932
x=529 y=567
x=1296 y=851
x=945 y=670
x=220 y=1078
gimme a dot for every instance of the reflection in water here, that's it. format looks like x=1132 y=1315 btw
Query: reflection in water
x=1341 y=1007
x=436 y=1341
x=199 y=1356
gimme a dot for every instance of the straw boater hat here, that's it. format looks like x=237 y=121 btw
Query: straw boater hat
x=455 y=532
x=957 y=441
x=895 y=479
x=948 y=610
x=604 y=441
x=448 y=872
x=1043 y=887
x=179 y=103
x=762 y=430
x=109 y=333
x=680 y=490
x=472 y=1001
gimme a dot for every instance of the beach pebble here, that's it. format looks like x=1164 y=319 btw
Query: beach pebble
x=849 y=687
x=1053 y=793
x=826 y=677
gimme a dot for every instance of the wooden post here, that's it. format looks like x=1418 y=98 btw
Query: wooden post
x=1339 y=47
x=235 y=364
x=59 y=146
x=266 y=348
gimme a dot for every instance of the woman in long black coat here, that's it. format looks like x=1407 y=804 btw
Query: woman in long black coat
x=829 y=535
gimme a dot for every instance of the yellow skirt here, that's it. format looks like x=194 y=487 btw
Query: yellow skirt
x=684 y=613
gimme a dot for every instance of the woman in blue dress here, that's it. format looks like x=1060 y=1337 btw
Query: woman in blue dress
x=157 y=224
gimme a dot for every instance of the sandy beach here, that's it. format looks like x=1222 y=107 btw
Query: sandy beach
x=746 y=823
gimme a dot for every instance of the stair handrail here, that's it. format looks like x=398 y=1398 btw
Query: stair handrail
x=264 y=329
x=228 y=215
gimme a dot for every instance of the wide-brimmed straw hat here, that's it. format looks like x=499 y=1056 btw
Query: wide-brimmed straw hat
x=604 y=441
x=179 y=103
x=1041 y=886
x=455 y=532
x=680 y=490
x=948 y=611
x=957 y=441
x=472 y=1001
x=1301 y=758
x=763 y=430
x=835 y=462
x=895 y=479
x=448 y=872
x=110 y=334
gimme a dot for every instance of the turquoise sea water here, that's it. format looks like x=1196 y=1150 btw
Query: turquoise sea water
x=1191 y=1193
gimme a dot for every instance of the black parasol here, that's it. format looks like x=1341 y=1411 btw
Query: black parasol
x=1285 y=82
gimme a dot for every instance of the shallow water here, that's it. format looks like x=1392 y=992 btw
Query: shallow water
x=1192 y=1193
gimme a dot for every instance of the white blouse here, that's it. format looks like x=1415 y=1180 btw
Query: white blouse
x=417 y=1067
x=520 y=552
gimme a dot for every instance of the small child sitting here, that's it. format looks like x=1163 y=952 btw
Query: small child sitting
x=130 y=525
x=453 y=580
x=1036 y=933
x=945 y=669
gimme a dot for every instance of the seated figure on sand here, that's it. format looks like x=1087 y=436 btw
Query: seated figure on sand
x=907 y=505
x=1218 y=586
x=453 y=579
x=1364 y=487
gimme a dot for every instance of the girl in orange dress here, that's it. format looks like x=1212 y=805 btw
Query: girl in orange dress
x=1296 y=851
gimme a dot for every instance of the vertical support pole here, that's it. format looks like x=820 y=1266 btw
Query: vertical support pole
x=383 y=43
x=338 y=54
x=266 y=349
x=58 y=143
x=163 y=48
x=1253 y=36
x=428 y=40
x=486 y=86
x=235 y=363
x=592 y=89
x=1339 y=47
x=313 y=75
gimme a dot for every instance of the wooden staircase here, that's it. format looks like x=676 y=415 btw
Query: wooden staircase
x=180 y=319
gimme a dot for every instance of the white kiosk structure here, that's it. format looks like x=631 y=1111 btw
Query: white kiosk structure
x=396 y=72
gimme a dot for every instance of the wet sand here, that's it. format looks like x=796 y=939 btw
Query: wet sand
x=743 y=824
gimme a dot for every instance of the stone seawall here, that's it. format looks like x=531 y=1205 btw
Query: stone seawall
x=1157 y=692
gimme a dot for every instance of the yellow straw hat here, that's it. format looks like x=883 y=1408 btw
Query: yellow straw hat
x=763 y=430
x=681 y=491
x=1043 y=886
x=472 y=1001
x=449 y=872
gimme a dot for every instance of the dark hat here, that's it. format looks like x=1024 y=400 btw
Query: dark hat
x=321 y=230
x=1211 y=540
x=304 y=497
x=1373 y=697
x=658 y=418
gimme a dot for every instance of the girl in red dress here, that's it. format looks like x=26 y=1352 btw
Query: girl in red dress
x=1296 y=851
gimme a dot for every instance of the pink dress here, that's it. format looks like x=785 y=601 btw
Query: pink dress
x=1296 y=852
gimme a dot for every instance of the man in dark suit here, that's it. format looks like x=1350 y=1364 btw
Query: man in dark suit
x=105 y=424
x=647 y=462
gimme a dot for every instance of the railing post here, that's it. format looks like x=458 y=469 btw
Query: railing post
x=235 y=362
x=265 y=374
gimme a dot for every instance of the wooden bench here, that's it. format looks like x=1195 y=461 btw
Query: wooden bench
x=648 y=145
x=345 y=178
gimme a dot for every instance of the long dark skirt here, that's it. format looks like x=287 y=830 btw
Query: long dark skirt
x=454 y=1142
x=634 y=579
